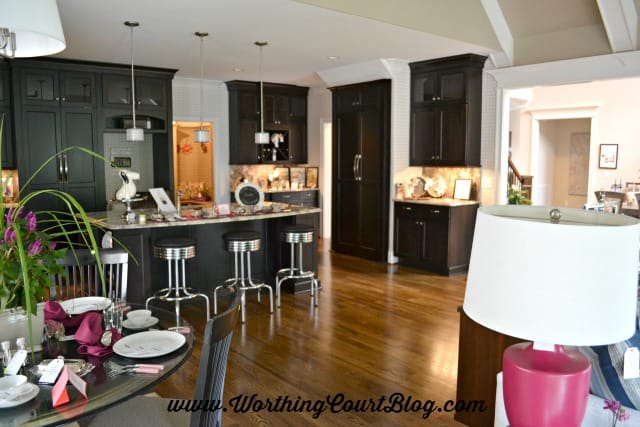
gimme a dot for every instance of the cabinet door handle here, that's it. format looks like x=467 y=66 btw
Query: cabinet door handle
x=66 y=168
x=60 y=169
x=435 y=211
x=355 y=167
x=406 y=208
x=359 y=167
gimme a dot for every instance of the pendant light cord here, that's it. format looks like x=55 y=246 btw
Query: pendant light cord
x=261 y=44
x=131 y=26
x=201 y=35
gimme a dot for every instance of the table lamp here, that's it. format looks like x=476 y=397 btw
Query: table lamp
x=555 y=277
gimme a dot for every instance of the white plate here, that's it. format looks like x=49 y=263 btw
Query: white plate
x=82 y=305
x=149 y=344
x=23 y=397
x=134 y=327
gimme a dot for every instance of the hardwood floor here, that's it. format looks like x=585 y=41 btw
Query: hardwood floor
x=379 y=329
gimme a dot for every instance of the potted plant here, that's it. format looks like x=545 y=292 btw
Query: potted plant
x=516 y=196
x=29 y=249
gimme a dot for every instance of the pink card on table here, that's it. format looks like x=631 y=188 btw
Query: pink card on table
x=59 y=395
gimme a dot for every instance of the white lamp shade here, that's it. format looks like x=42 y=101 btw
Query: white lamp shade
x=37 y=26
x=572 y=283
x=262 y=137
x=135 y=135
x=201 y=136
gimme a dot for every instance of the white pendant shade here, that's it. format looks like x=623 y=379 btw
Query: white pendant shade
x=36 y=25
x=201 y=136
x=262 y=138
x=135 y=135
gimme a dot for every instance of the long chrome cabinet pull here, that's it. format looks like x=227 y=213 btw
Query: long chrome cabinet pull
x=60 y=169
x=66 y=168
x=359 y=167
x=355 y=167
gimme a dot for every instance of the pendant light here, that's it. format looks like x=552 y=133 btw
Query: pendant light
x=261 y=137
x=134 y=134
x=201 y=135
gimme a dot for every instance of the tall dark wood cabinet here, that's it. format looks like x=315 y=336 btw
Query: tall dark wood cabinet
x=361 y=146
x=285 y=116
x=446 y=103
x=56 y=110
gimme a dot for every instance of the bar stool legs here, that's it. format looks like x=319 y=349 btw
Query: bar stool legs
x=242 y=244
x=175 y=251
x=296 y=235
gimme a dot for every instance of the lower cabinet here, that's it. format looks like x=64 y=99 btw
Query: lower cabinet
x=307 y=198
x=434 y=237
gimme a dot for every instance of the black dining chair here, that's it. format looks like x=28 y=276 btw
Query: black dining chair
x=82 y=278
x=152 y=411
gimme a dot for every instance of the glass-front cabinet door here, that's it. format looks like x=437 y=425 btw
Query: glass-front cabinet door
x=40 y=87
x=77 y=88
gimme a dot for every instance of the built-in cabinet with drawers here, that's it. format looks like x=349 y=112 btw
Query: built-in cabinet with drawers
x=434 y=237
x=308 y=198
x=59 y=104
x=446 y=102
x=285 y=119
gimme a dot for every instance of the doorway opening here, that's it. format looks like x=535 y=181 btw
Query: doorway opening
x=193 y=165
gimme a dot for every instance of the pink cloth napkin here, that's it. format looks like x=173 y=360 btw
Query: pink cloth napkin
x=54 y=311
x=88 y=336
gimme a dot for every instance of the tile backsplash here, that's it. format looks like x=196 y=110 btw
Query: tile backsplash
x=447 y=175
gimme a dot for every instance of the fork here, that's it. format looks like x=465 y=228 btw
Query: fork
x=115 y=370
x=155 y=366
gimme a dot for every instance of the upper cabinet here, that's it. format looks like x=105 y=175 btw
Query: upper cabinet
x=446 y=103
x=284 y=119
x=6 y=138
x=57 y=88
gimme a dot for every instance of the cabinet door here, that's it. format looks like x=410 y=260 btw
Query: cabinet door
x=116 y=90
x=298 y=141
x=79 y=131
x=424 y=145
x=424 y=88
x=453 y=135
x=436 y=235
x=298 y=108
x=452 y=86
x=39 y=87
x=77 y=89
x=276 y=110
x=5 y=97
x=6 y=138
x=408 y=238
x=151 y=93
x=243 y=124
x=41 y=136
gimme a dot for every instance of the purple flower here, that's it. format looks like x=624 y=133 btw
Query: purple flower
x=34 y=248
x=9 y=216
x=9 y=235
x=612 y=405
x=623 y=415
x=31 y=221
x=52 y=246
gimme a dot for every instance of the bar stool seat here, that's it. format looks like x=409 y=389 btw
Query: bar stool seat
x=296 y=235
x=175 y=250
x=241 y=244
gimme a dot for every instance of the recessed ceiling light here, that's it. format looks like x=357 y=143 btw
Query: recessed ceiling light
x=237 y=69
x=332 y=57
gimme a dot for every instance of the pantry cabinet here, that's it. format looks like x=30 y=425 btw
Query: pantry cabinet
x=446 y=103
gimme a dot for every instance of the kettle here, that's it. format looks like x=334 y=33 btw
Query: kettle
x=128 y=189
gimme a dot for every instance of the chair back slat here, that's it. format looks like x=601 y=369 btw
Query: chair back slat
x=213 y=361
x=83 y=276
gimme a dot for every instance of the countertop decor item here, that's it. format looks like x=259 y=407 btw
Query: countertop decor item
x=553 y=291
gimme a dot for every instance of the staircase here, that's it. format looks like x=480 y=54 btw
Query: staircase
x=516 y=179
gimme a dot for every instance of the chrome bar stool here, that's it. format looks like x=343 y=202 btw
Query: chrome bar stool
x=296 y=235
x=176 y=250
x=241 y=244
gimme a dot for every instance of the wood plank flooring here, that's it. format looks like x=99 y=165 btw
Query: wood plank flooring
x=379 y=329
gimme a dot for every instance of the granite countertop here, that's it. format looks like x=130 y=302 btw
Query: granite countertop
x=273 y=190
x=111 y=220
x=439 y=202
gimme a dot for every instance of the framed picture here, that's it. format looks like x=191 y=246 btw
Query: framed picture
x=462 y=189
x=312 y=177
x=297 y=177
x=281 y=178
x=608 y=156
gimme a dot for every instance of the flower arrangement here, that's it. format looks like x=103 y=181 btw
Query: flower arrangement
x=618 y=413
x=516 y=196
x=19 y=232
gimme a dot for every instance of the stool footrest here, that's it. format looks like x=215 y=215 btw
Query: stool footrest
x=294 y=273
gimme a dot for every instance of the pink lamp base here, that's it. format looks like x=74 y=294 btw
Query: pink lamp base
x=545 y=388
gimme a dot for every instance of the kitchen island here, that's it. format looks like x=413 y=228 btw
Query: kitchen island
x=212 y=264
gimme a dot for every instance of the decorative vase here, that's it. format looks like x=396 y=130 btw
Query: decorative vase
x=13 y=324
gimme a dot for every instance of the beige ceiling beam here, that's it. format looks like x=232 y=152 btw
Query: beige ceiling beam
x=503 y=58
x=620 y=20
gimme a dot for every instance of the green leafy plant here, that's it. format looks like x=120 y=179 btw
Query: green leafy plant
x=516 y=196
x=28 y=250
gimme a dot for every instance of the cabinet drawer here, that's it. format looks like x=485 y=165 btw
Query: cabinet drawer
x=411 y=210
x=437 y=212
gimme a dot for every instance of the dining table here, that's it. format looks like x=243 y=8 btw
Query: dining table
x=103 y=389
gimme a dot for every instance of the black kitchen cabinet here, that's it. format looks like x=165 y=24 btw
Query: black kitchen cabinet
x=446 y=102
x=361 y=146
x=434 y=237
x=308 y=198
x=285 y=119
x=57 y=88
x=8 y=160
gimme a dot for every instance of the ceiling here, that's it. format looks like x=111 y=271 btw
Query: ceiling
x=304 y=34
